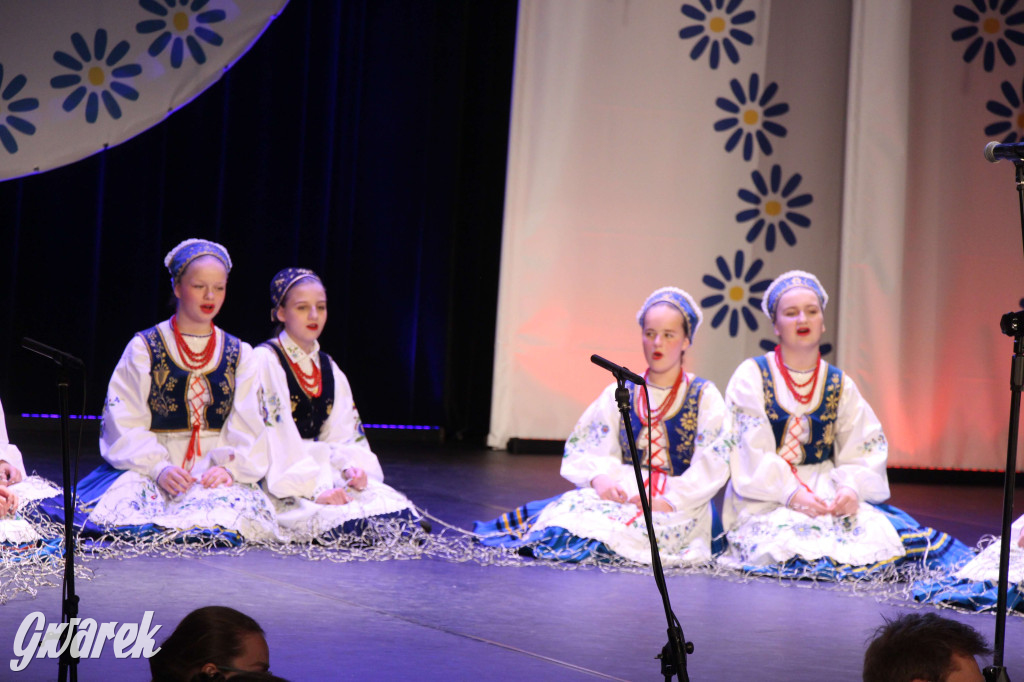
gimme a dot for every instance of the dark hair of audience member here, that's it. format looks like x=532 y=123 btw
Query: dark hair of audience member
x=919 y=646
x=238 y=677
x=211 y=634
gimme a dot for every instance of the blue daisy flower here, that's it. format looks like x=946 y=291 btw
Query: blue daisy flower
x=768 y=345
x=9 y=107
x=737 y=298
x=750 y=113
x=989 y=28
x=97 y=76
x=182 y=23
x=774 y=207
x=716 y=26
x=1012 y=127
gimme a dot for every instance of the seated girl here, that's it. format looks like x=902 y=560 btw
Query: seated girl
x=18 y=537
x=322 y=475
x=808 y=471
x=685 y=467
x=975 y=586
x=175 y=437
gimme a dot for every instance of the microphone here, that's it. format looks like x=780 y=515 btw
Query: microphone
x=60 y=357
x=1012 y=151
x=619 y=372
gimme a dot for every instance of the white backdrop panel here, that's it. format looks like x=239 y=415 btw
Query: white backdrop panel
x=619 y=183
x=932 y=242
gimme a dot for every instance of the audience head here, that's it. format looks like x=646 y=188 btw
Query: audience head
x=212 y=641
x=238 y=677
x=924 y=647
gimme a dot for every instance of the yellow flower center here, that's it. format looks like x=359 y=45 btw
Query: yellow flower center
x=991 y=25
x=717 y=24
x=1020 y=121
x=772 y=207
x=751 y=117
x=96 y=76
x=736 y=293
x=180 y=21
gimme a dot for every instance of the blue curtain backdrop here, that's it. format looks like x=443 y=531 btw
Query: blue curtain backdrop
x=365 y=139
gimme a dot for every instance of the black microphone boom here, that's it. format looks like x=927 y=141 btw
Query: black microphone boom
x=60 y=357
x=619 y=372
x=1012 y=151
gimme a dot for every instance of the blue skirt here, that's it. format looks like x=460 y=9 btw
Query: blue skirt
x=91 y=489
x=514 y=530
x=925 y=547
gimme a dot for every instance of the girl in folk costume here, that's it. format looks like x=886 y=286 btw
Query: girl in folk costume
x=19 y=538
x=322 y=475
x=808 y=472
x=175 y=434
x=976 y=585
x=685 y=467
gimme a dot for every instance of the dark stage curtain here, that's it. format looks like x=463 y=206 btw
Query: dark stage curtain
x=365 y=139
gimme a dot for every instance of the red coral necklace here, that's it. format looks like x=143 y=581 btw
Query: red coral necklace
x=311 y=383
x=792 y=383
x=190 y=358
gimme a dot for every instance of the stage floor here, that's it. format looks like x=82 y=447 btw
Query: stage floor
x=429 y=619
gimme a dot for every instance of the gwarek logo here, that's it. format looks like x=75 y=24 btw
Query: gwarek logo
x=131 y=640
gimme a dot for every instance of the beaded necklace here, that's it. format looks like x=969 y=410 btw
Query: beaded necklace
x=190 y=358
x=666 y=404
x=311 y=383
x=792 y=384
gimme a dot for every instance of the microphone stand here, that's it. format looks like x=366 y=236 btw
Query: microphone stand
x=673 y=654
x=1011 y=324
x=68 y=662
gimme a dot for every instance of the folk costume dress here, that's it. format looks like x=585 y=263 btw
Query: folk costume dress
x=689 y=466
x=19 y=537
x=161 y=410
x=976 y=585
x=828 y=440
x=312 y=434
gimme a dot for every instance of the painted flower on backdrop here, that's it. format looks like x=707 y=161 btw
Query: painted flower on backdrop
x=181 y=24
x=716 y=25
x=750 y=113
x=1011 y=127
x=774 y=207
x=768 y=345
x=737 y=288
x=11 y=108
x=988 y=30
x=97 y=76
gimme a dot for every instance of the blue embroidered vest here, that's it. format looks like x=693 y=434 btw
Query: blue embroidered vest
x=309 y=413
x=822 y=418
x=681 y=427
x=168 y=387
